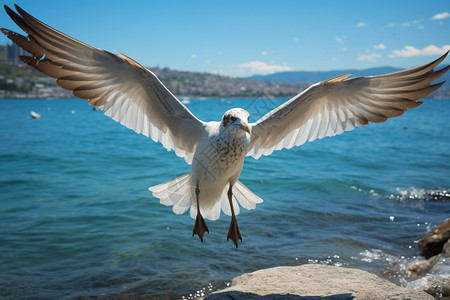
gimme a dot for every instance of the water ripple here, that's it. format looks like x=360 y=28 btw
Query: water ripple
x=77 y=220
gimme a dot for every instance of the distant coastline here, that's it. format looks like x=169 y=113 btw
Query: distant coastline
x=19 y=81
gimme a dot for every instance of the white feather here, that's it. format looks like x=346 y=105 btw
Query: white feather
x=339 y=104
x=132 y=95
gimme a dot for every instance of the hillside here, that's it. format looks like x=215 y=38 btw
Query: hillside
x=194 y=84
x=21 y=81
x=316 y=76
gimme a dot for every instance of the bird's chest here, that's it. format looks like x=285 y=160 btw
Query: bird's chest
x=230 y=152
x=222 y=157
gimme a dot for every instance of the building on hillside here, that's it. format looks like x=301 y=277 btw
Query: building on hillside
x=11 y=53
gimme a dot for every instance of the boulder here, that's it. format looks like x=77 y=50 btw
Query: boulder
x=436 y=285
x=313 y=282
x=446 y=249
x=433 y=242
x=432 y=274
x=421 y=267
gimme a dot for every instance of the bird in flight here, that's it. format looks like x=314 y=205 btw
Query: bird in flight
x=132 y=95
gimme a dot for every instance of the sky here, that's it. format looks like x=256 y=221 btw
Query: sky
x=243 y=38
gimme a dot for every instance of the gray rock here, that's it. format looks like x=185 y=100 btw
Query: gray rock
x=436 y=285
x=314 y=282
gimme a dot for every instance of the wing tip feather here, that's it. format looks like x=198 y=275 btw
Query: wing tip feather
x=440 y=59
x=432 y=88
x=7 y=9
x=338 y=79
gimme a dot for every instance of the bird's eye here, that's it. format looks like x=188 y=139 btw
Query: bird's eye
x=233 y=119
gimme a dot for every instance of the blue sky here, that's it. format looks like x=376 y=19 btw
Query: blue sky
x=241 y=38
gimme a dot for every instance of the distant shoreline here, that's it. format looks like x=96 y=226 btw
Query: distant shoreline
x=20 y=81
x=35 y=97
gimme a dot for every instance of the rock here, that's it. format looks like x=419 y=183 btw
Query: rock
x=432 y=243
x=421 y=267
x=313 y=282
x=446 y=249
x=433 y=274
x=436 y=285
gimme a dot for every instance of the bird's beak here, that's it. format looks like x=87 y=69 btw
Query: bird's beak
x=246 y=128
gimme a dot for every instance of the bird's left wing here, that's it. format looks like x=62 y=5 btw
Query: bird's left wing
x=336 y=105
x=127 y=92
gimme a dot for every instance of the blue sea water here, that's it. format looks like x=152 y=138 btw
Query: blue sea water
x=77 y=220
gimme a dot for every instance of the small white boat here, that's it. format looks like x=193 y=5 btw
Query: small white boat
x=35 y=115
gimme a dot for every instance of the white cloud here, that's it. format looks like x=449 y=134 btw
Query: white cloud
x=380 y=46
x=441 y=16
x=361 y=24
x=409 y=51
x=409 y=24
x=264 y=53
x=369 y=57
x=194 y=55
x=405 y=24
x=260 y=67
x=339 y=39
x=295 y=39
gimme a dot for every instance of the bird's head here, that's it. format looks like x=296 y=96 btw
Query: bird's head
x=236 y=121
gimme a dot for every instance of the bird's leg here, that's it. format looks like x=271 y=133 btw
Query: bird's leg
x=233 y=231
x=200 y=225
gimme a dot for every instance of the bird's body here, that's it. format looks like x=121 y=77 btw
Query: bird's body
x=218 y=159
x=216 y=166
x=217 y=162
x=132 y=95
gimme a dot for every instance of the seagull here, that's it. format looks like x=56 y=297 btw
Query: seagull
x=132 y=95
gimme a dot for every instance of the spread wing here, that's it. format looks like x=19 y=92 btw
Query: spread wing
x=127 y=92
x=331 y=107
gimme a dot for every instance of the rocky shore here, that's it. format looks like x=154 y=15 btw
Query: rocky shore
x=432 y=274
x=314 y=282
x=427 y=278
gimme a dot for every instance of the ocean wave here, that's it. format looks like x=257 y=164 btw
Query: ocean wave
x=419 y=195
x=372 y=255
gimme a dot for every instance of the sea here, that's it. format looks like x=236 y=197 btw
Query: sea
x=77 y=220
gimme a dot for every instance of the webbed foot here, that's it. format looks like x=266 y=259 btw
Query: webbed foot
x=200 y=227
x=233 y=231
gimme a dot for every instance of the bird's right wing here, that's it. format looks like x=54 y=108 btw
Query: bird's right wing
x=336 y=105
x=127 y=92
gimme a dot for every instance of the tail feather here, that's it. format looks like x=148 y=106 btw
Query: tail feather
x=169 y=184
x=212 y=213
x=177 y=193
x=225 y=205
x=247 y=199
